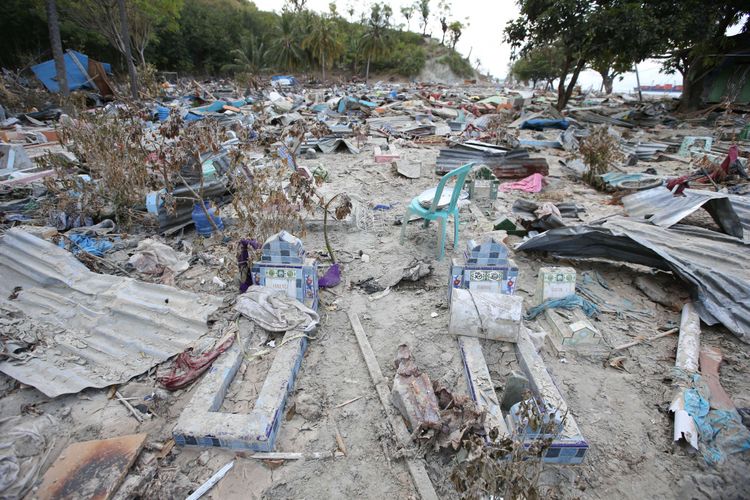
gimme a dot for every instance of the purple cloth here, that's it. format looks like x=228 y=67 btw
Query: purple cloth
x=331 y=278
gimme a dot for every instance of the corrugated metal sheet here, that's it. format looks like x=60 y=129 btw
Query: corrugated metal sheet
x=660 y=207
x=505 y=164
x=114 y=327
x=714 y=264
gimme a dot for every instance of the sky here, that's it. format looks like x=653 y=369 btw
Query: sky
x=483 y=37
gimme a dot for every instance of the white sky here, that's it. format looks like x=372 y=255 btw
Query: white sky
x=484 y=36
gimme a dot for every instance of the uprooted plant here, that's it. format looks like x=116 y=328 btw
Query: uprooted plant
x=506 y=466
x=113 y=159
x=600 y=151
x=124 y=160
x=269 y=194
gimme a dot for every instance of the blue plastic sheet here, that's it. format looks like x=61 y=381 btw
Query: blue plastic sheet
x=540 y=124
x=569 y=302
x=350 y=102
x=721 y=432
x=76 y=79
x=94 y=246
x=285 y=80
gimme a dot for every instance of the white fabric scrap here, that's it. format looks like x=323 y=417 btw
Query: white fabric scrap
x=153 y=257
x=275 y=311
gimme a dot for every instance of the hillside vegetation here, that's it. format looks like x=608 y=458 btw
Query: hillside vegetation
x=225 y=37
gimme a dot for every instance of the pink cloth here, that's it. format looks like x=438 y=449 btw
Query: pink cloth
x=530 y=184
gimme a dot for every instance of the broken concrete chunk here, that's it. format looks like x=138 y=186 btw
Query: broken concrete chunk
x=412 y=393
x=485 y=315
x=409 y=270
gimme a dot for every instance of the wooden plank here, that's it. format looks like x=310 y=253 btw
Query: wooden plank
x=422 y=481
x=91 y=469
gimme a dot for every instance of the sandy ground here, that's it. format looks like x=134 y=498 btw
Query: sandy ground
x=622 y=414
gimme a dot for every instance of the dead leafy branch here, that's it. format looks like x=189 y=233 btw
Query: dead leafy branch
x=600 y=151
x=269 y=197
x=123 y=161
x=113 y=159
x=505 y=467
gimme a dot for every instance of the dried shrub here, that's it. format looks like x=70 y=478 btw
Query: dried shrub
x=600 y=150
x=148 y=81
x=270 y=197
x=124 y=160
x=111 y=153
x=505 y=467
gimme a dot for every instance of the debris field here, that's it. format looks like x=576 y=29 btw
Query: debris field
x=385 y=291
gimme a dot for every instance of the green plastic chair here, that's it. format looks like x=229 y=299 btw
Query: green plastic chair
x=433 y=213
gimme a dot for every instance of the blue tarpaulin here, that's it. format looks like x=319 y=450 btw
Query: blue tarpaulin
x=540 y=124
x=347 y=102
x=284 y=80
x=76 y=79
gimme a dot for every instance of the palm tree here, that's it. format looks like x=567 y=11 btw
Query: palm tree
x=374 y=42
x=324 y=41
x=248 y=59
x=285 y=48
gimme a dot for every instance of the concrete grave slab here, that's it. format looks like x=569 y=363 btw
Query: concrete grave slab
x=568 y=447
x=202 y=424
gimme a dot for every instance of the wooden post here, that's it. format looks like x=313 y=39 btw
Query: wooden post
x=638 y=81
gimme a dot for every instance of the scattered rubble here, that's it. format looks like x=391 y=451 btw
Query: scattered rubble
x=179 y=272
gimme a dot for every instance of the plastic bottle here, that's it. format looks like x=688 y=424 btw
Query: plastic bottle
x=202 y=224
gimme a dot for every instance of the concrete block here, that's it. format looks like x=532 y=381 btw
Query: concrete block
x=485 y=315
x=573 y=333
x=202 y=424
x=555 y=283
x=569 y=447
x=479 y=278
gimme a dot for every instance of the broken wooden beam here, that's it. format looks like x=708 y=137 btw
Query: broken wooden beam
x=412 y=393
x=480 y=384
x=710 y=359
x=211 y=482
x=640 y=340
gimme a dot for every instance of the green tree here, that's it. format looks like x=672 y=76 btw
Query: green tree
x=615 y=50
x=584 y=31
x=456 y=29
x=248 y=59
x=540 y=64
x=375 y=41
x=407 y=12
x=102 y=16
x=423 y=6
x=284 y=47
x=696 y=39
x=324 y=42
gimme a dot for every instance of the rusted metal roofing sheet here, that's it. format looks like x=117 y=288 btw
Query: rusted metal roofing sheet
x=714 y=264
x=103 y=329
